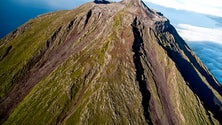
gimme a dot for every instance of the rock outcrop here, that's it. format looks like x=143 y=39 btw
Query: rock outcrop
x=104 y=63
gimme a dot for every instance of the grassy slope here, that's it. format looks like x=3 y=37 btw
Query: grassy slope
x=98 y=81
x=26 y=44
x=24 y=49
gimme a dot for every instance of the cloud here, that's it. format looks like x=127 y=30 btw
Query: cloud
x=210 y=53
x=195 y=33
x=208 y=7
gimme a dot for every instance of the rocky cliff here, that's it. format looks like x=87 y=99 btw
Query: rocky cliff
x=104 y=63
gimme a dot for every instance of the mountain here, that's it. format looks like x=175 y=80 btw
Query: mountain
x=104 y=63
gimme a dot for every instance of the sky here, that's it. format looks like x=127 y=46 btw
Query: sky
x=207 y=14
x=207 y=7
x=199 y=22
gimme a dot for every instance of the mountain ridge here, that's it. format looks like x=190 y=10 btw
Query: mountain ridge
x=101 y=58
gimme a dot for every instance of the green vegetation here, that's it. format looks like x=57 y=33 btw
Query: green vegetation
x=24 y=50
x=100 y=53
x=97 y=82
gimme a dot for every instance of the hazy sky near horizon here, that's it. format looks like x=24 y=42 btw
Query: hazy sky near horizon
x=208 y=7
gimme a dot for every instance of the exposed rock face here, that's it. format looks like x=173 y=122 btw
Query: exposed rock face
x=114 y=63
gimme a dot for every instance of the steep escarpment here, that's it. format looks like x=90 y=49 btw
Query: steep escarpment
x=104 y=63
